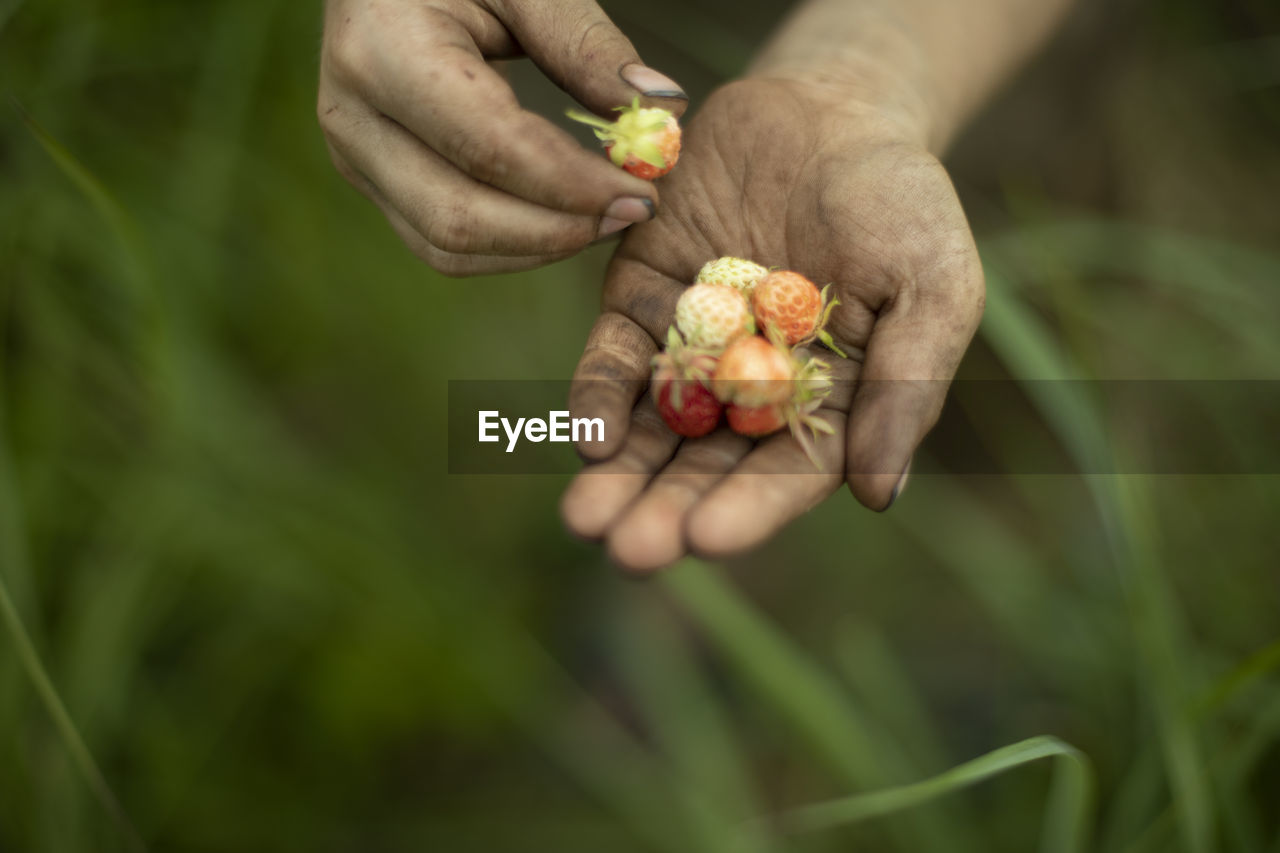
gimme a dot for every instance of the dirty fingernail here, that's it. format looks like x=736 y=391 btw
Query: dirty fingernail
x=630 y=209
x=650 y=83
x=902 y=484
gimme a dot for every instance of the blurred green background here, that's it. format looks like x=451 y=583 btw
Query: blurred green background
x=245 y=608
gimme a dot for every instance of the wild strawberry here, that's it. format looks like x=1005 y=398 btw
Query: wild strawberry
x=767 y=388
x=738 y=273
x=712 y=316
x=789 y=306
x=756 y=422
x=680 y=374
x=692 y=413
x=753 y=372
x=643 y=140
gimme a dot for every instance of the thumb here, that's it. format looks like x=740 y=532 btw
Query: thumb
x=578 y=47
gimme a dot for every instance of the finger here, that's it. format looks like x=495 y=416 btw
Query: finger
x=914 y=351
x=578 y=47
x=432 y=79
x=461 y=265
x=650 y=534
x=611 y=375
x=600 y=492
x=639 y=306
x=449 y=263
x=642 y=293
x=771 y=487
x=452 y=211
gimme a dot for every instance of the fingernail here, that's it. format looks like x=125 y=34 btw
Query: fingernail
x=630 y=209
x=650 y=83
x=902 y=484
x=608 y=226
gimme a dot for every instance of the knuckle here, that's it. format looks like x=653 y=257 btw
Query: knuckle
x=450 y=228
x=478 y=154
x=596 y=34
x=328 y=115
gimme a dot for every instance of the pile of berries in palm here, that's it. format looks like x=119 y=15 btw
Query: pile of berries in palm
x=738 y=351
x=738 y=348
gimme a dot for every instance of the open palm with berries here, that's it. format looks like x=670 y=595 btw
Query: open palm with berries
x=791 y=174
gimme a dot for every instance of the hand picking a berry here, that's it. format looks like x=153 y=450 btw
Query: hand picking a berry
x=645 y=141
x=821 y=159
x=417 y=119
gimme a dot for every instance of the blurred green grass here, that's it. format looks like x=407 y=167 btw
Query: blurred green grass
x=277 y=623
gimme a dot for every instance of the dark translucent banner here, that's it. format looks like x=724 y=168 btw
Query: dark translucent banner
x=987 y=426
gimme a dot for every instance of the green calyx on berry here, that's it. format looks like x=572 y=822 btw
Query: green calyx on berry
x=680 y=363
x=821 y=332
x=812 y=387
x=632 y=133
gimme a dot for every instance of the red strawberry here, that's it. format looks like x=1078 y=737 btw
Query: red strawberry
x=643 y=140
x=767 y=388
x=693 y=412
x=712 y=316
x=789 y=306
x=756 y=422
x=679 y=382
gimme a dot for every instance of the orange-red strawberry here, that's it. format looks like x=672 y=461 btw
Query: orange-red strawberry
x=790 y=307
x=753 y=372
x=767 y=387
x=758 y=421
x=643 y=140
x=680 y=376
x=712 y=316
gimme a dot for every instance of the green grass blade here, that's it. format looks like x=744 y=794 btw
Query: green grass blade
x=1258 y=665
x=1067 y=823
x=111 y=211
x=14 y=556
x=76 y=747
x=864 y=754
x=802 y=692
x=155 y=343
x=871 y=665
x=688 y=722
x=1125 y=513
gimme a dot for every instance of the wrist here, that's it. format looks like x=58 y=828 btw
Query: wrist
x=870 y=100
x=863 y=59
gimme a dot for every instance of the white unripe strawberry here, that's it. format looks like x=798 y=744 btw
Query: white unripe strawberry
x=712 y=316
x=738 y=273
